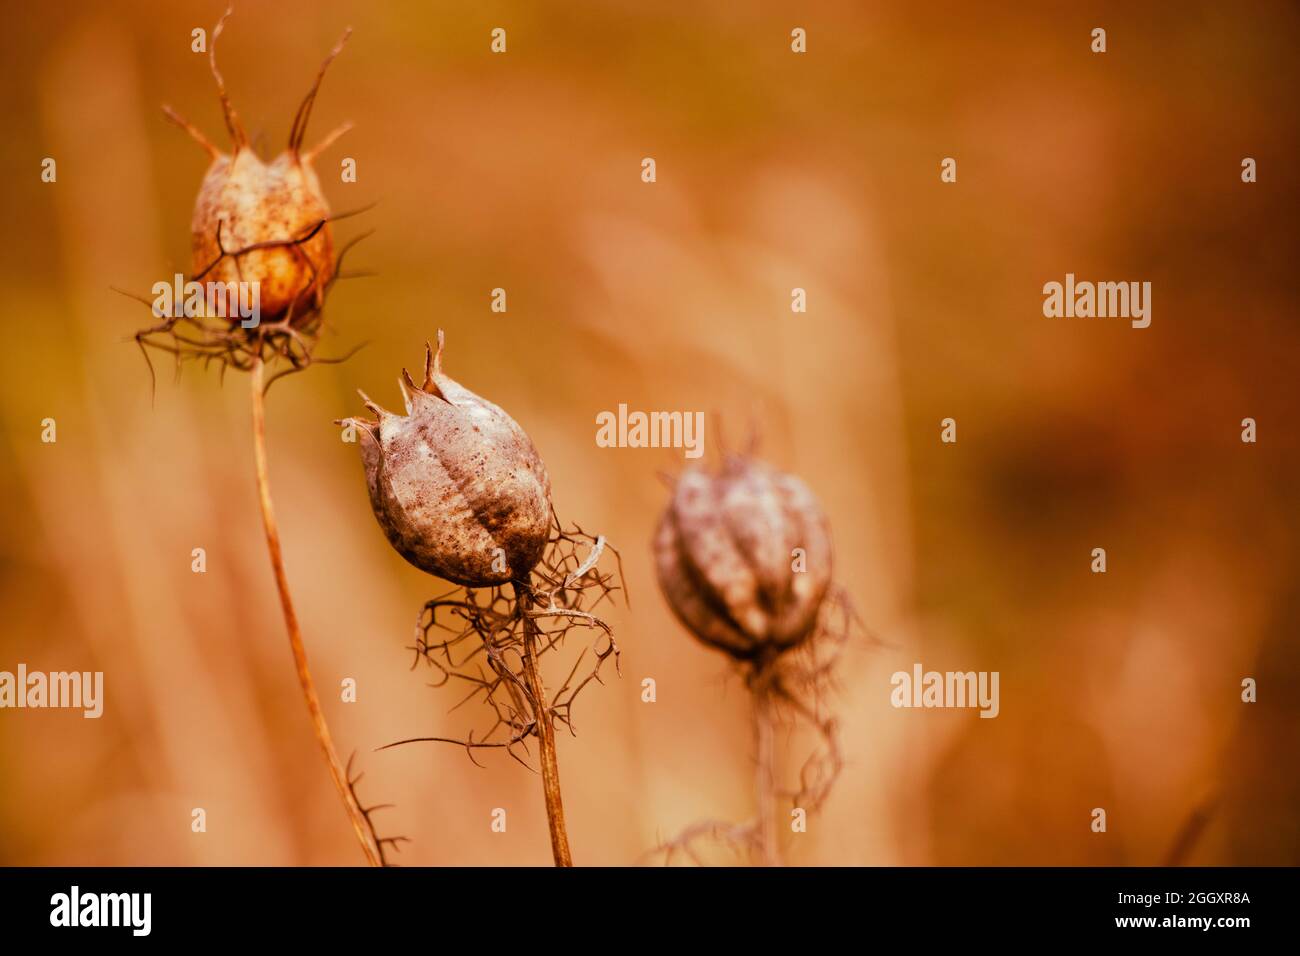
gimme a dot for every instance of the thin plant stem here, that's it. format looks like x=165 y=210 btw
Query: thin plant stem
x=1190 y=833
x=545 y=738
x=765 y=778
x=337 y=771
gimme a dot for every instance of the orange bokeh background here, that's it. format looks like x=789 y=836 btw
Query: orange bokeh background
x=775 y=171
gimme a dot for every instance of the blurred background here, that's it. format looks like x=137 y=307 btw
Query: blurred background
x=775 y=170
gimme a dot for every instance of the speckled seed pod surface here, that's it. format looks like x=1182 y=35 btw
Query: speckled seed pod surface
x=724 y=553
x=455 y=483
x=256 y=202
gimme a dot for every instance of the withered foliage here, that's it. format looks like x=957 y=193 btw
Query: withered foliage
x=288 y=342
x=385 y=845
x=475 y=639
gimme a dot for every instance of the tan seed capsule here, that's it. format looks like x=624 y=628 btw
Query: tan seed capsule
x=726 y=553
x=264 y=223
x=455 y=483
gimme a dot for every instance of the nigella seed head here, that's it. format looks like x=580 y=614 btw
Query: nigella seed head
x=264 y=222
x=455 y=483
x=744 y=557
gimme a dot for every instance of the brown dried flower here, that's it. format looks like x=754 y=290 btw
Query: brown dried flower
x=455 y=483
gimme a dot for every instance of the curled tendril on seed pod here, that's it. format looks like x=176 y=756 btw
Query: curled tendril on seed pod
x=263 y=225
x=744 y=558
x=461 y=493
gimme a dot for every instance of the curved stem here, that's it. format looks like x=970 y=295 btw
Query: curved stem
x=545 y=737
x=765 y=778
x=337 y=772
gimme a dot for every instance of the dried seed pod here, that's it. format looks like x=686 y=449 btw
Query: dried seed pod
x=455 y=483
x=726 y=557
x=262 y=222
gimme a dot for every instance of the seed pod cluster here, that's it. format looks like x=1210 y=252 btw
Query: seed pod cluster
x=263 y=222
x=456 y=484
x=725 y=553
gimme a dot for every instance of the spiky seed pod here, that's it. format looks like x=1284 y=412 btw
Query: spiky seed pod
x=455 y=483
x=725 y=557
x=264 y=222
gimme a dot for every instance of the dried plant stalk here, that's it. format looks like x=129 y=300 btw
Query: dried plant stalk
x=791 y=688
x=360 y=820
x=765 y=780
x=494 y=641
x=545 y=741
